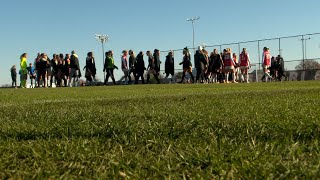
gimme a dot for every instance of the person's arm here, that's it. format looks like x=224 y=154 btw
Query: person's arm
x=249 y=62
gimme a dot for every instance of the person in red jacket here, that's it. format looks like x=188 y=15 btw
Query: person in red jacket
x=266 y=63
x=245 y=64
x=229 y=65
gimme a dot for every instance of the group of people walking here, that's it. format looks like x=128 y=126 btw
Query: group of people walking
x=61 y=70
x=224 y=67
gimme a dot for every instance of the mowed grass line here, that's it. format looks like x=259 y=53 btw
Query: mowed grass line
x=162 y=131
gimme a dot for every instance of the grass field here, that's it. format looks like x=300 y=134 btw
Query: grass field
x=258 y=130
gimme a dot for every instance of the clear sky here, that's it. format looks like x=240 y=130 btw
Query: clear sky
x=61 y=26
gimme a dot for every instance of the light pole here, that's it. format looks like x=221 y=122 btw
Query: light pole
x=193 y=20
x=102 y=39
x=305 y=47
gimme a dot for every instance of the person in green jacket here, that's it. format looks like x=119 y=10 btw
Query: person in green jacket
x=24 y=71
x=109 y=67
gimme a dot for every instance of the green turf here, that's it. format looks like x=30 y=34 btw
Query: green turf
x=248 y=131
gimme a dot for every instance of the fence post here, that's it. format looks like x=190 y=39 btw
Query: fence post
x=303 y=63
x=259 y=54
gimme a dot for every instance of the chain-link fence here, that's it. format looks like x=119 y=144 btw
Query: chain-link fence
x=300 y=52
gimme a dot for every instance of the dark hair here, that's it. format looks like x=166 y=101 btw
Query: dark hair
x=89 y=54
x=61 y=56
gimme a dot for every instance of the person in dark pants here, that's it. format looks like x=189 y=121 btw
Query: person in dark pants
x=54 y=72
x=75 y=69
x=66 y=69
x=109 y=67
x=90 y=68
x=186 y=65
x=43 y=70
x=13 y=71
x=216 y=66
x=280 y=68
x=152 y=69
x=132 y=61
x=199 y=60
x=139 y=68
x=273 y=68
x=60 y=73
x=169 y=66
x=157 y=62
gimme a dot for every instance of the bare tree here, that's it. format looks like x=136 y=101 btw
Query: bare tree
x=308 y=65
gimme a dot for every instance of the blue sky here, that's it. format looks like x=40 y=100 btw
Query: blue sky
x=61 y=26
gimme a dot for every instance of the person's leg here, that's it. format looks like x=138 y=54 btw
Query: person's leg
x=266 y=73
x=226 y=74
x=112 y=77
x=43 y=77
x=183 y=76
x=129 y=77
x=148 y=78
x=126 y=73
x=156 y=76
x=192 y=77
x=173 y=78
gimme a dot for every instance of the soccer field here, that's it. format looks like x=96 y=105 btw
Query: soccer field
x=257 y=130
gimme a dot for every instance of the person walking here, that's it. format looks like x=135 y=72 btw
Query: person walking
x=13 y=71
x=75 y=69
x=266 y=63
x=109 y=67
x=23 y=69
x=157 y=61
x=169 y=66
x=186 y=65
x=90 y=68
x=132 y=62
x=151 y=68
x=280 y=68
x=139 y=68
x=124 y=67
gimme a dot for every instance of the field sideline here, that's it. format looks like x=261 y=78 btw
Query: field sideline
x=257 y=130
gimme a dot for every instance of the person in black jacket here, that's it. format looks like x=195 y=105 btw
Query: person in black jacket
x=169 y=66
x=42 y=69
x=139 y=68
x=67 y=68
x=216 y=66
x=186 y=65
x=152 y=69
x=49 y=74
x=132 y=61
x=157 y=63
x=199 y=60
x=280 y=68
x=54 y=72
x=75 y=68
x=90 y=68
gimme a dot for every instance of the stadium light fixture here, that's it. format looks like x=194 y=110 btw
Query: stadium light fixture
x=102 y=39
